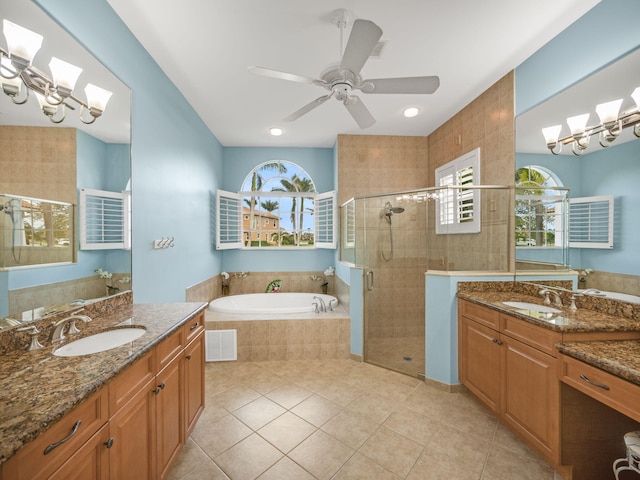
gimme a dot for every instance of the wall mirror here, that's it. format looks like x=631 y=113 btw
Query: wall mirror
x=46 y=163
x=598 y=172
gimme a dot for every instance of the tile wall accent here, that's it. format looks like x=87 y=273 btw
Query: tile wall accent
x=297 y=339
x=25 y=299
x=42 y=162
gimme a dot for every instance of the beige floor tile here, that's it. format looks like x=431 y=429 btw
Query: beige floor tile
x=316 y=410
x=412 y=425
x=258 y=413
x=430 y=402
x=236 y=397
x=194 y=463
x=340 y=392
x=505 y=438
x=248 y=459
x=452 y=446
x=287 y=431
x=216 y=437
x=375 y=408
x=350 y=428
x=392 y=451
x=286 y=469
x=263 y=383
x=321 y=455
x=361 y=468
x=472 y=421
x=502 y=464
x=435 y=467
x=289 y=395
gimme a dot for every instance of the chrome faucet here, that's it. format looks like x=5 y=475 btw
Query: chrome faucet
x=557 y=299
x=321 y=305
x=58 y=327
x=331 y=302
x=33 y=331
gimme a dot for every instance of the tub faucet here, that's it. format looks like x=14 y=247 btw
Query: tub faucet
x=330 y=306
x=58 y=327
x=321 y=305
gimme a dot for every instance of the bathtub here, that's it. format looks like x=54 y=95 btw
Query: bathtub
x=624 y=297
x=269 y=303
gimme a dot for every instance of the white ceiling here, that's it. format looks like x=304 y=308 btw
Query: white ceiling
x=206 y=46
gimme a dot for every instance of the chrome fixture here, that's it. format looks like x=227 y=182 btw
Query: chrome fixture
x=58 y=327
x=33 y=331
x=321 y=306
x=387 y=212
x=610 y=126
x=53 y=93
x=557 y=300
x=331 y=303
x=573 y=306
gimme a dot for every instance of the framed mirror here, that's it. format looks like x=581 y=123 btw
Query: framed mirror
x=599 y=172
x=51 y=162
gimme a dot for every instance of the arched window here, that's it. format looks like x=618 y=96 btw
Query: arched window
x=540 y=208
x=277 y=207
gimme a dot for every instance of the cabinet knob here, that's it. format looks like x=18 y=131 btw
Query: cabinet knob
x=109 y=443
x=496 y=341
x=189 y=357
x=194 y=326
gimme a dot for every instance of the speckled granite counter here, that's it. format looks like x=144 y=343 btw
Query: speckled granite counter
x=618 y=357
x=582 y=320
x=37 y=388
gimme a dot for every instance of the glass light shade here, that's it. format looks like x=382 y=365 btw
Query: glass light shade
x=15 y=84
x=636 y=96
x=578 y=124
x=411 y=112
x=97 y=97
x=64 y=74
x=21 y=42
x=42 y=101
x=551 y=134
x=608 y=112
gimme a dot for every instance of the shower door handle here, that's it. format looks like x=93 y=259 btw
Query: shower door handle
x=370 y=280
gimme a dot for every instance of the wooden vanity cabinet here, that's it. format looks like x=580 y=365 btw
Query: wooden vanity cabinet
x=509 y=365
x=193 y=372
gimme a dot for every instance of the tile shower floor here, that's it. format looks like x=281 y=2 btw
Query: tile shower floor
x=341 y=419
x=402 y=354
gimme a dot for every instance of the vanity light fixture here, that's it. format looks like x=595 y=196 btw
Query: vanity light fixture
x=53 y=93
x=276 y=131
x=612 y=122
x=410 y=112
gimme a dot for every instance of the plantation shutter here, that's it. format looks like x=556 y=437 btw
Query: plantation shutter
x=105 y=220
x=591 y=222
x=228 y=220
x=325 y=224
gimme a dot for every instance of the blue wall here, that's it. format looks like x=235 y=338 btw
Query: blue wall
x=176 y=161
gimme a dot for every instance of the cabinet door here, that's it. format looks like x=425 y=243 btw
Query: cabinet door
x=479 y=367
x=531 y=396
x=169 y=415
x=89 y=462
x=132 y=455
x=193 y=382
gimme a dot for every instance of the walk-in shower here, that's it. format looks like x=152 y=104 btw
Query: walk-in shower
x=396 y=238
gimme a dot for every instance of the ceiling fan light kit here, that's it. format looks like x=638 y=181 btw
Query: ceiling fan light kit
x=341 y=80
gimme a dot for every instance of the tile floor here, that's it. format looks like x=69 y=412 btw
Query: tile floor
x=341 y=419
x=394 y=352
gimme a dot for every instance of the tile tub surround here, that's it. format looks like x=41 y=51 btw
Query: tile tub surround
x=37 y=388
x=341 y=419
x=12 y=340
x=286 y=337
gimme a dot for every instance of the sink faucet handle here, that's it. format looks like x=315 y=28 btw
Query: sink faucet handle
x=546 y=293
x=33 y=331
x=573 y=306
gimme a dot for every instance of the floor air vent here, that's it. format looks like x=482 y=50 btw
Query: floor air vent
x=221 y=345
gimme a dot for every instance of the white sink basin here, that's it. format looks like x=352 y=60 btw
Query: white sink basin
x=100 y=342
x=532 y=307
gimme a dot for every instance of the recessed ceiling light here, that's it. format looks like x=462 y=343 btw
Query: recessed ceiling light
x=411 y=112
x=276 y=131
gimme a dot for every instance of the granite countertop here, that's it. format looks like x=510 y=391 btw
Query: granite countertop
x=582 y=321
x=618 y=357
x=37 y=388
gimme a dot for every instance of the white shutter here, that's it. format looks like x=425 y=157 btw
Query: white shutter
x=591 y=222
x=228 y=220
x=104 y=220
x=350 y=224
x=325 y=225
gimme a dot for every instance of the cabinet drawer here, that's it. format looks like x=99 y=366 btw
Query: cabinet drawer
x=533 y=335
x=193 y=327
x=606 y=388
x=168 y=349
x=59 y=442
x=130 y=381
x=483 y=315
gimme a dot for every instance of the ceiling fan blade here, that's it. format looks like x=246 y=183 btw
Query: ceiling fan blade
x=401 y=85
x=292 y=77
x=359 y=112
x=362 y=40
x=307 y=108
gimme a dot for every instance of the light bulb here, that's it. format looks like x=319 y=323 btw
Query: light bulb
x=276 y=131
x=411 y=112
x=21 y=42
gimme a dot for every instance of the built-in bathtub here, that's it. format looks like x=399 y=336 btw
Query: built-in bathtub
x=272 y=303
x=282 y=326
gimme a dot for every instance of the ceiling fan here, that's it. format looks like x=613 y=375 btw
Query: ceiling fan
x=340 y=80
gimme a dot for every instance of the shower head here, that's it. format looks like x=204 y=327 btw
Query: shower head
x=390 y=210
